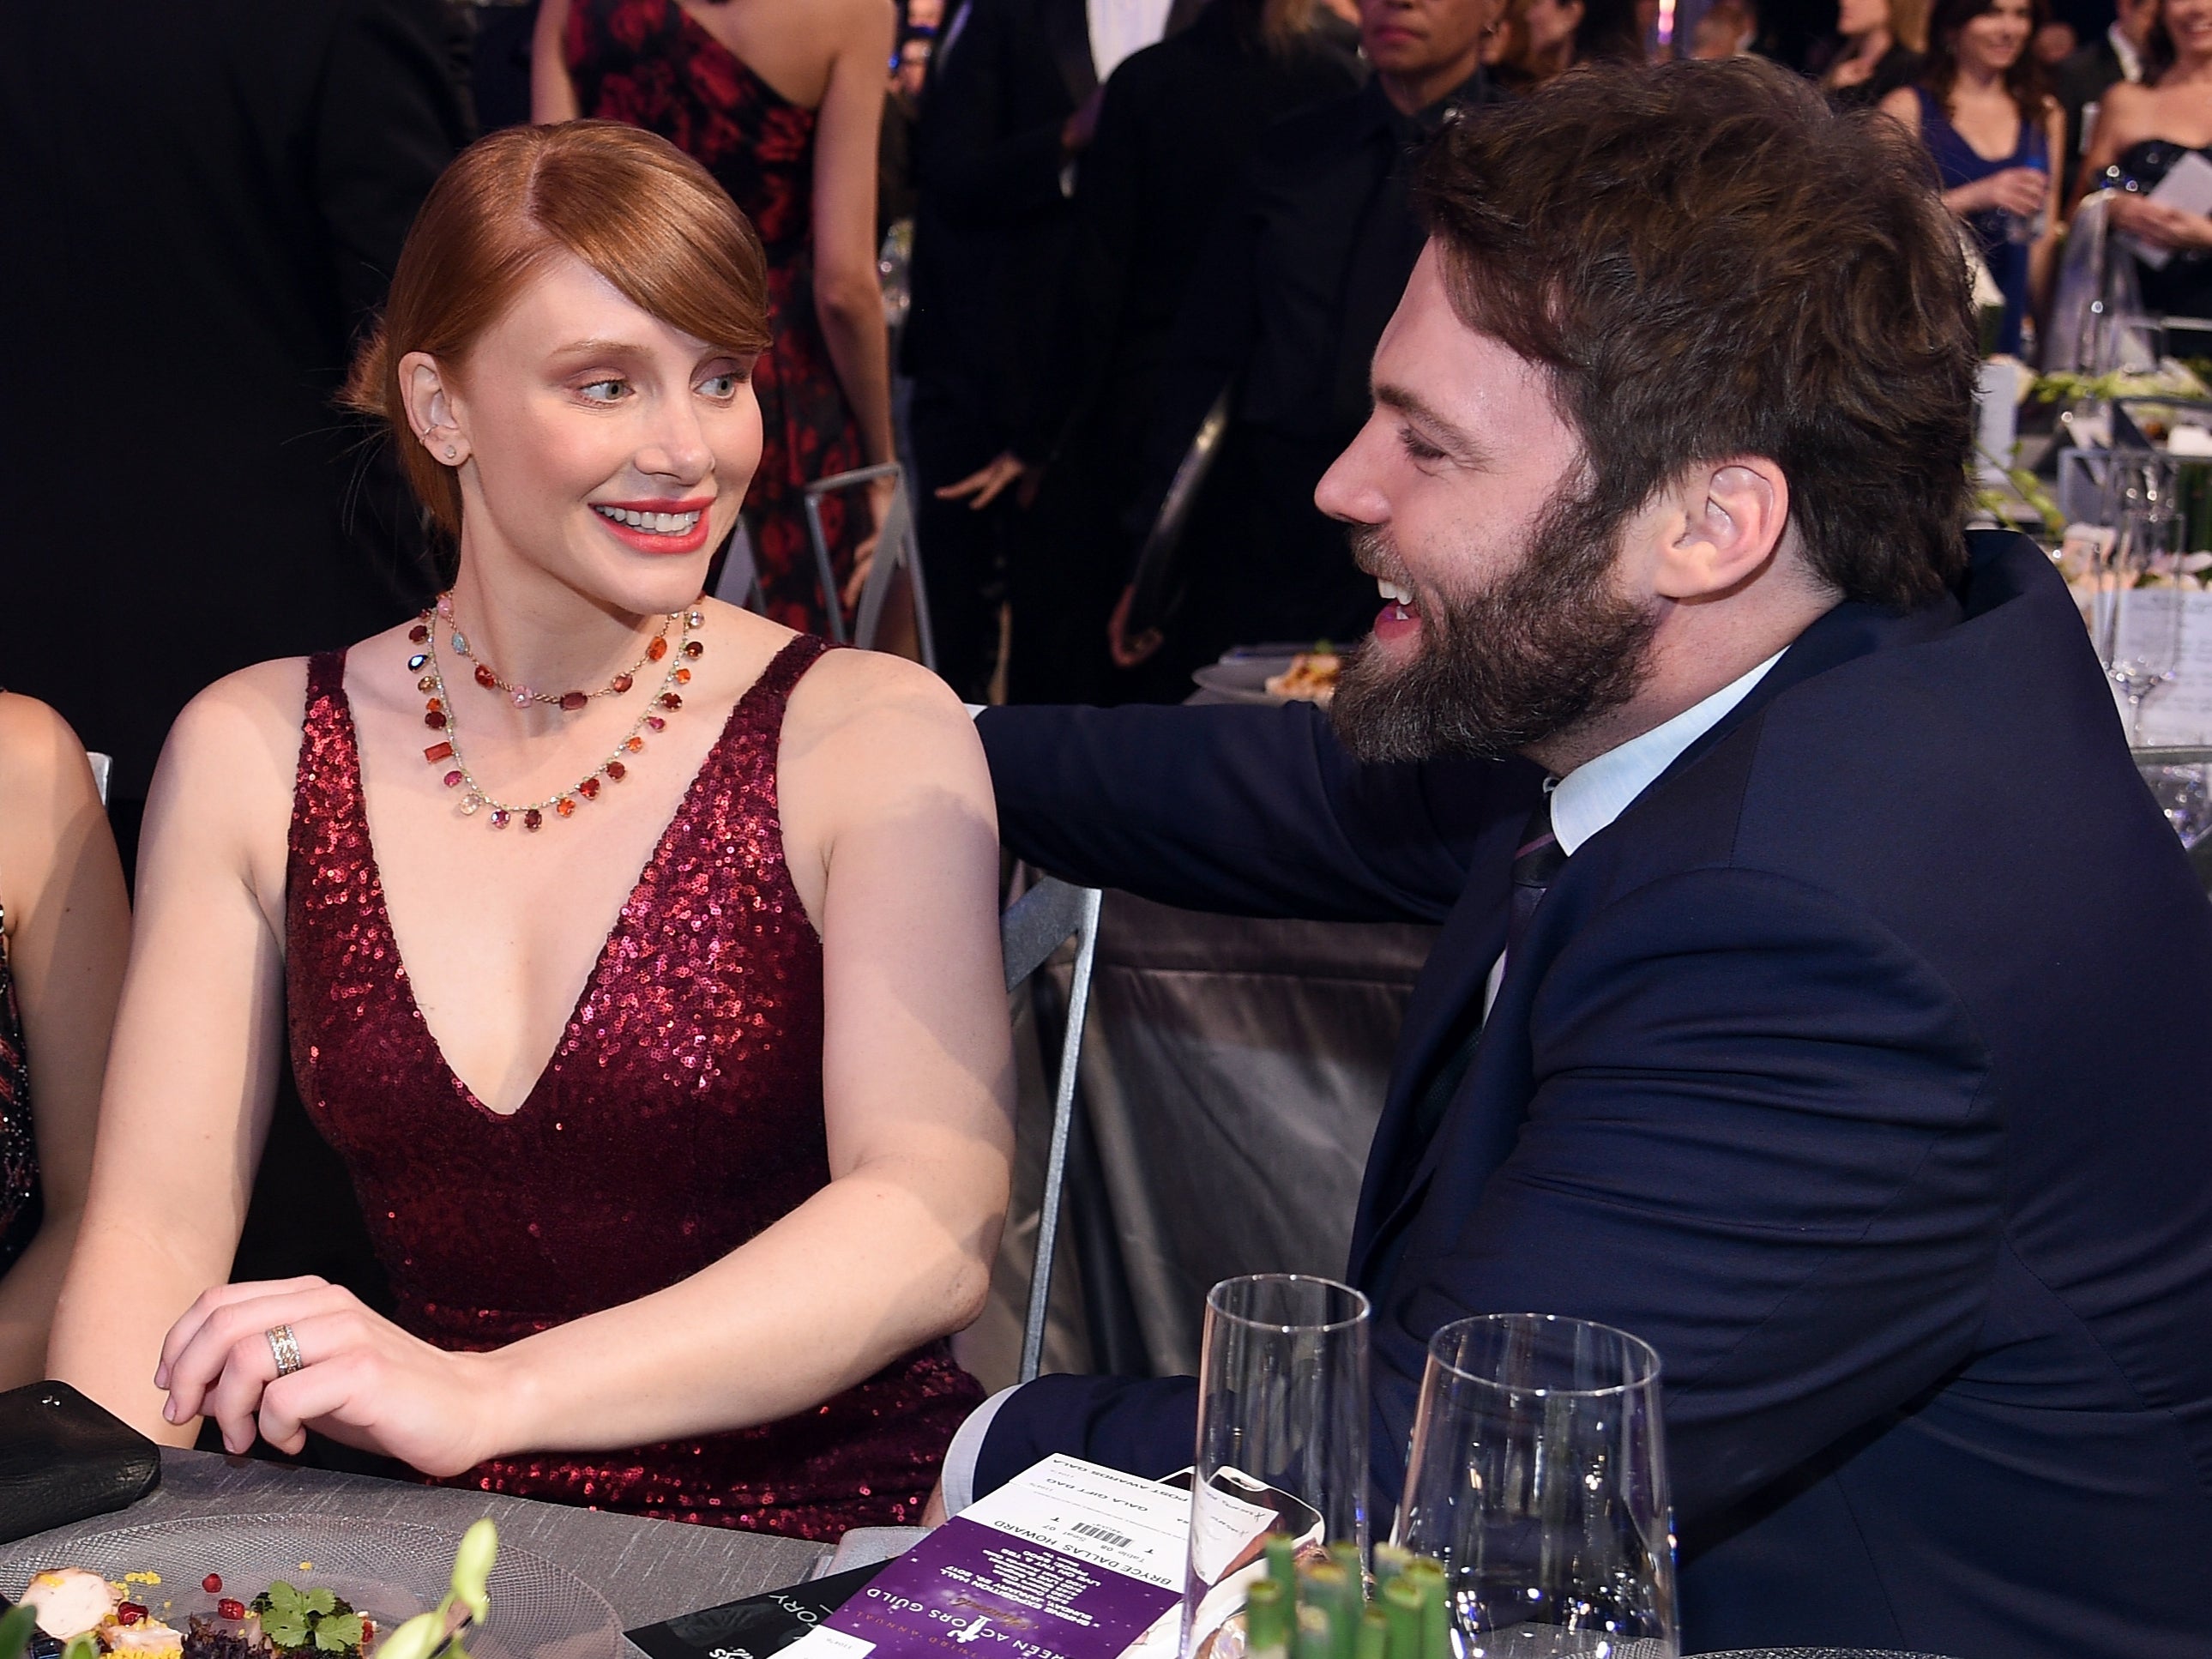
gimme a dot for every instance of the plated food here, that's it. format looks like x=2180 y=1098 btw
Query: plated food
x=131 y=1618
x=1311 y=677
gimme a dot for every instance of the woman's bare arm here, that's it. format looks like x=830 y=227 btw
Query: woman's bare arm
x=68 y=924
x=847 y=292
x=552 y=92
x=192 y=1071
x=889 y=826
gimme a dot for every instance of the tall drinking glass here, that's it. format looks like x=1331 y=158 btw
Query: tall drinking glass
x=1538 y=1478
x=1282 y=1439
x=2138 y=626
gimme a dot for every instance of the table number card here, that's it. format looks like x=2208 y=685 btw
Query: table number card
x=1067 y=1561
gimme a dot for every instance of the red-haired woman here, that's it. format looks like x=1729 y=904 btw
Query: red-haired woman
x=1992 y=131
x=679 y=1177
x=2142 y=131
x=782 y=101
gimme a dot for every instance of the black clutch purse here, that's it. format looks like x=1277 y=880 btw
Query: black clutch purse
x=63 y=1458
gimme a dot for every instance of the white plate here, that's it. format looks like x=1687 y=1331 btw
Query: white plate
x=1243 y=679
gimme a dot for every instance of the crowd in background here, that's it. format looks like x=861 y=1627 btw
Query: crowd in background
x=1107 y=228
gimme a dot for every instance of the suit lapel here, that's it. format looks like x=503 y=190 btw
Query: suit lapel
x=1454 y=974
x=1067 y=35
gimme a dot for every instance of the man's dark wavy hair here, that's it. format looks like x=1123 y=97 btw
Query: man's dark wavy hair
x=1709 y=262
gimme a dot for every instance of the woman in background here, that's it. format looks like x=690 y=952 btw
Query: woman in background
x=65 y=929
x=1881 y=49
x=2142 y=131
x=782 y=101
x=1992 y=132
x=638 y=955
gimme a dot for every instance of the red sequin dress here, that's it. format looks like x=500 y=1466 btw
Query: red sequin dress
x=20 y=1206
x=650 y=63
x=680 y=1115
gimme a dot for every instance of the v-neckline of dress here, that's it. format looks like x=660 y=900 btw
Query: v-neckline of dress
x=380 y=911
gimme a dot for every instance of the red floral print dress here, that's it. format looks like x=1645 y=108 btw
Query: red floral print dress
x=652 y=64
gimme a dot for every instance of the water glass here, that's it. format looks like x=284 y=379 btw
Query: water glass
x=1282 y=1438
x=1538 y=1477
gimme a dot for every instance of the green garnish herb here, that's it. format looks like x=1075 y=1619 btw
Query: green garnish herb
x=296 y=1620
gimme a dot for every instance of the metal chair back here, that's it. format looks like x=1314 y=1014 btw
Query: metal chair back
x=1033 y=927
x=897 y=549
x=1159 y=580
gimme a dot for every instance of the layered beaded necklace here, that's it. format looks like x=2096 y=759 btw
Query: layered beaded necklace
x=438 y=713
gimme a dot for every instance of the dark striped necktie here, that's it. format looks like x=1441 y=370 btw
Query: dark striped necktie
x=1536 y=864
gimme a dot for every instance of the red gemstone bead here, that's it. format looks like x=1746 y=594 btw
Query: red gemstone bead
x=617 y=770
x=566 y=806
x=419 y=632
x=572 y=700
x=682 y=676
x=623 y=683
x=658 y=649
x=438 y=752
x=434 y=702
x=435 y=720
x=670 y=701
x=499 y=817
x=694 y=650
x=656 y=722
x=532 y=818
x=589 y=788
x=486 y=678
x=453 y=780
x=635 y=744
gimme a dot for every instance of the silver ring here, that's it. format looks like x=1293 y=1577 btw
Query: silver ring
x=286 y=1348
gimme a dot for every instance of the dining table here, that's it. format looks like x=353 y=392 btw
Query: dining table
x=648 y=1570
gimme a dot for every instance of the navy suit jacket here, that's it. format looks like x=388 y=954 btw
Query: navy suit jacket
x=1861 y=1066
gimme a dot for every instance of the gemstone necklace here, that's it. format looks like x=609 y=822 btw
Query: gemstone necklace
x=439 y=716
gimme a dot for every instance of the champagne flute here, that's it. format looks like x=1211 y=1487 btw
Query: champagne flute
x=2139 y=626
x=1538 y=1478
x=1282 y=1439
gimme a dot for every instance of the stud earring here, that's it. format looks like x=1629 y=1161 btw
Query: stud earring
x=451 y=452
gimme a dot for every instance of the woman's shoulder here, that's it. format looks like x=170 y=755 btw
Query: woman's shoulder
x=42 y=762
x=876 y=725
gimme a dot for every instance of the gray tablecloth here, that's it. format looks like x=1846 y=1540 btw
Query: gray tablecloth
x=648 y=1570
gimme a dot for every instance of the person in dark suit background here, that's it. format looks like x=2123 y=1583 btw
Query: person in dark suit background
x=204 y=202
x=2117 y=54
x=1177 y=123
x=1010 y=108
x=1283 y=313
x=1797 y=1026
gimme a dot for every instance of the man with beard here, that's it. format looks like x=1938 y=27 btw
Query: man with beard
x=1797 y=894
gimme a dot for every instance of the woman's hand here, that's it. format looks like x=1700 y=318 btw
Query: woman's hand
x=880 y=492
x=985 y=485
x=2160 y=224
x=365 y=1383
x=2015 y=190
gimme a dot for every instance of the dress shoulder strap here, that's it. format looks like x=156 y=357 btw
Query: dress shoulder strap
x=328 y=778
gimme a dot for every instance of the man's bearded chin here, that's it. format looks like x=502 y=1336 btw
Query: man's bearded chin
x=1544 y=649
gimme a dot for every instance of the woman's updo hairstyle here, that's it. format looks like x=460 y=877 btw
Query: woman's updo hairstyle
x=631 y=206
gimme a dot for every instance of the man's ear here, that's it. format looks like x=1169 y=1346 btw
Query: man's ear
x=1732 y=517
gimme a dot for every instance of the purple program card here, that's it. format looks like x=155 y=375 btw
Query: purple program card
x=1069 y=1561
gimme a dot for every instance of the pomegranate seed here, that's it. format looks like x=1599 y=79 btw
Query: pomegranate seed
x=367 y=1631
x=230 y=1609
x=129 y=1613
x=212 y=1583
